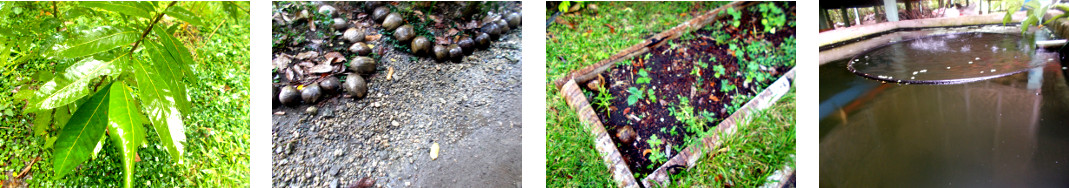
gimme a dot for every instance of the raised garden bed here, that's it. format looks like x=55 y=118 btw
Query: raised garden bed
x=674 y=93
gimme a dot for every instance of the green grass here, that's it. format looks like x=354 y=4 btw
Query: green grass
x=217 y=148
x=571 y=158
x=756 y=150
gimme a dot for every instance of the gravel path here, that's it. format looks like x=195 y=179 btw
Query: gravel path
x=471 y=109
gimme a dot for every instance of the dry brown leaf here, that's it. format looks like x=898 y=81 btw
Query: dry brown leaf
x=337 y=57
x=372 y=37
x=282 y=61
x=306 y=55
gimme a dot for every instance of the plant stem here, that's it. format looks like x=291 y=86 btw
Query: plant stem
x=143 y=34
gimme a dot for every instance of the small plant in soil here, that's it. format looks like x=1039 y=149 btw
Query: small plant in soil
x=701 y=78
x=655 y=153
x=636 y=95
x=604 y=99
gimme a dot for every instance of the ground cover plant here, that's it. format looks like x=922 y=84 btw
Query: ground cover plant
x=106 y=93
x=684 y=86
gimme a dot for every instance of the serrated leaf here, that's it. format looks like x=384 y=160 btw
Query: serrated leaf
x=80 y=135
x=162 y=111
x=71 y=84
x=185 y=15
x=121 y=7
x=97 y=40
x=123 y=117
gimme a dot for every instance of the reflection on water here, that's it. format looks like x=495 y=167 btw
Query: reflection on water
x=1011 y=131
x=949 y=58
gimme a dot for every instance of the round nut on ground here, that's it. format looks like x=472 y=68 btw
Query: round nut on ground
x=404 y=33
x=311 y=93
x=441 y=53
x=503 y=25
x=482 y=40
x=330 y=85
x=340 y=24
x=392 y=21
x=353 y=35
x=289 y=96
x=455 y=52
x=371 y=5
x=514 y=19
x=327 y=10
x=355 y=86
x=362 y=65
x=491 y=28
x=380 y=13
x=420 y=45
x=626 y=134
x=360 y=49
x=467 y=44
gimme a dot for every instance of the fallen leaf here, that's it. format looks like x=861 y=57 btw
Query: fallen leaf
x=611 y=28
x=321 y=68
x=452 y=32
x=389 y=76
x=306 y=55
x=372 y=37
x=282 y=61
x=337 y=57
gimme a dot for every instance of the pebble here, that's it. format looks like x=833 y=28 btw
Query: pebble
x=394 y=123
x=337 y=152
x=434 y=151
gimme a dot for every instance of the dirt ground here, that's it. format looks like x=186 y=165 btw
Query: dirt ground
x=470 y=108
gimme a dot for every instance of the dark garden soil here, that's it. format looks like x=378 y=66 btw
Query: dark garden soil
x=671 y=68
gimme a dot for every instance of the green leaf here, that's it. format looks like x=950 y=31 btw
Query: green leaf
x=124 y=116
x=80 y=135
x=122 y=7
x=177 y=52
x=159 y=102
x=165 y=63
x=1054 y=18
x=42 y=121
x=1009 y=15
x=97 y=40
x=185 y=15
x=72 y=84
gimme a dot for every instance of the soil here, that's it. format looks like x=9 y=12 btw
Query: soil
x=670 y=69
x=470 y=107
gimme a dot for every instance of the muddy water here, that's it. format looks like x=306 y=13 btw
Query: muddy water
x=948 y=58
x=1011 y=131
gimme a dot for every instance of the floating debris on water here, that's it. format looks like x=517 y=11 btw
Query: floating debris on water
x=948 y=68
x=914 y=72
x=992 y=70
x=977 y=58
x=924 y=70
x=970 y=62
